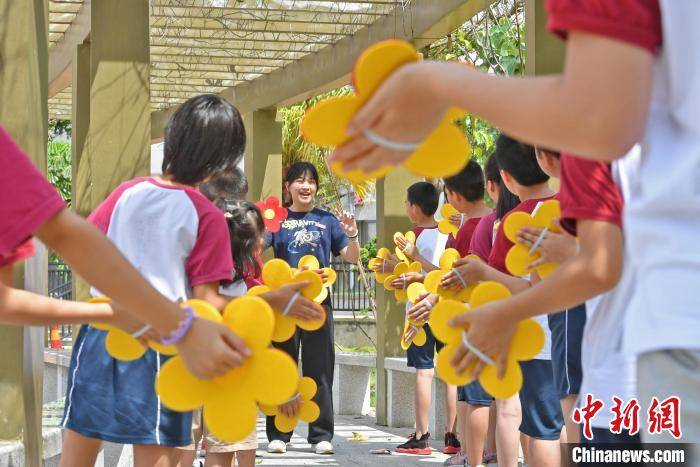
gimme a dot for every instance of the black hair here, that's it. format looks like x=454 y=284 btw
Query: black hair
x=228 y=185
x=519 y=160
x=299 y=170
x=246 y=227
x=492 y=172
x=204 y=137
x=506 y=200
x=425 y=195
x=469 y=182
x=551 y=152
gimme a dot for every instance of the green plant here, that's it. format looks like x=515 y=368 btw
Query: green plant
x=368 y=251
x=59 y=170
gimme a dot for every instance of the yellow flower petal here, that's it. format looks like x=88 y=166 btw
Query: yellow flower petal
x=415 y=266
x=387 y=282
x=307 y=388
x=489 y=291
x=258 y=290
x=269 y=410
x=429 y=159
x=405 y=344
x=123 y=346
x=545 y=214
x=179 y=389
x=446 y=371
x=164 y=349
x=518 y=258
x=312 y=325
x=401 y=268
x=309 y=411
x=232 y=420
x=442 y=313
x=514 y=222
x=326 y=123
x=375 y=264
x=320 y=298
x=315 y=286
x=502 y=388
x=379 y=61
x=420 y=338
x=272 y=376
x=285 y=424
x=410 y=236
x=284 y=328
x=447 y=259
x=448 y=210
x=432 y=281
x=252 y=319
x=447 y=227
x=357 y=177
x=309 y=262
x=331 y=277
x=383 y=253
x=546 y=269
x=276 y=273
x=381 y=277
x=527 y=341
x=414 y=291
x=401 y=295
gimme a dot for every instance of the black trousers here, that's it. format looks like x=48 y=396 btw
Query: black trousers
x=318 y=363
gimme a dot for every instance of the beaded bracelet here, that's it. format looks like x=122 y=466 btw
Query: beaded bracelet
x=182 y=328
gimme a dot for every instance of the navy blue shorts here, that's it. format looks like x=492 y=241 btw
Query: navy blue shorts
x=567 y=334
x=542 y=417
x=605 y=436
x=474 y=394
x=423 y=357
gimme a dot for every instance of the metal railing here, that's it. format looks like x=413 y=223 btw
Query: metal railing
x=347 y=293
x=61 y=287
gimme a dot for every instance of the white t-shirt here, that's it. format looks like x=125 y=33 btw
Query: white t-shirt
x=172 y=235
x=662 y=215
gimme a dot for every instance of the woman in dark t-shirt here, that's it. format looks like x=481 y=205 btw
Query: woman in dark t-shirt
x=312 y=231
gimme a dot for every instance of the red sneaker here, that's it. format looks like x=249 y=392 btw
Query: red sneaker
x=418 y=446
x=452 y=445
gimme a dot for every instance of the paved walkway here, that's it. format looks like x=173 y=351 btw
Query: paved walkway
x=348 y=453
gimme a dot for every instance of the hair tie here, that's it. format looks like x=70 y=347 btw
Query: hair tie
x=290 y=304
x=536 y=245
x=390 y=143
x=461 y=279
x=472 y=348
x=141 y=331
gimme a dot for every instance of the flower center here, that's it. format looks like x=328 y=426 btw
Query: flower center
x=269 y=214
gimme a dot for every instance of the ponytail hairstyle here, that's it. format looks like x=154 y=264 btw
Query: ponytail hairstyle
x=506 y=200
x=246 y=227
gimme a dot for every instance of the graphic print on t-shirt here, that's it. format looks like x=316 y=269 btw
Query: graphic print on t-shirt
x=306 y=235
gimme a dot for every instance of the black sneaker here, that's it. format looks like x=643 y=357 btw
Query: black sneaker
x=452 y=445
x=415 y=445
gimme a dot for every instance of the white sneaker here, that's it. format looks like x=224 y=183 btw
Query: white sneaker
x=277 y=446
x=324 y=447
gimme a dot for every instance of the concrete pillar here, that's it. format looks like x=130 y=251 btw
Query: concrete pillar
x=112 y=119
x=263 y=155
x=24 y=114
x=391 y=218
x=545 y=52
x=117 y=142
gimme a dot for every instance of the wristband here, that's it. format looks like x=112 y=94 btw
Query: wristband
x=141 y=331
x=354 y=236
x=428 y=303
x=182 y=328
x=290 y=304
x=472 y=348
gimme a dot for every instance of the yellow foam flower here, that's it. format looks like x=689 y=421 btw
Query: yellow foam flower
x=414 y=291
x=311 y=262
x=308 y=409
x=519 y=255
x=445 y=226
x=433 y=278
x=443 y=153
x=410 y=237
x=277 y=273
x=268 y=376
x=376 y=264
x=123 y=346
x=526 y=344
x=400 y=269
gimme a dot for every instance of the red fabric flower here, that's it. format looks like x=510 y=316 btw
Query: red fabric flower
x=272 y=213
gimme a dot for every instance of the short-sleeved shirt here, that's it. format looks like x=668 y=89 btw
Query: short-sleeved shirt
x=482 y=239
x=174 y=236
x=24 y=251
x=430 y=243
x=589 y=192
x=27 y=199
x=464 y=236
x=316 y=232
x=497 y=259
